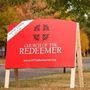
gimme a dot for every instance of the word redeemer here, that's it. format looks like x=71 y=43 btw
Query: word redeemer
x=41 y=50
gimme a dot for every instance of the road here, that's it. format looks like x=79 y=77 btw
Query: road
x=27 y=73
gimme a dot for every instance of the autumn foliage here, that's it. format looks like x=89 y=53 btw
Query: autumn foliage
x=84 y=43
x=18 y=10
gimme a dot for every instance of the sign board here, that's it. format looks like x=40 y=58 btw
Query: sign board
x=42 y=43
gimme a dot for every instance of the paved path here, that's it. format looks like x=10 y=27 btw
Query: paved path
x=27 y=73
x=86 y=63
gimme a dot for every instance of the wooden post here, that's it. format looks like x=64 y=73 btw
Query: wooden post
x=16 y=77
x=7 y=76
x=64 y=70
x=72 y=79
x=73 y=70
x=79 y=58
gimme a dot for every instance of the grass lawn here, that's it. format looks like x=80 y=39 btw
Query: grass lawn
x=49 y=82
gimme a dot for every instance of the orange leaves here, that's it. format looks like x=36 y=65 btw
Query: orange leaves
x=84 y=41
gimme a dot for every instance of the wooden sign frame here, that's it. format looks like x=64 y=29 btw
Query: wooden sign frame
x=72 y=79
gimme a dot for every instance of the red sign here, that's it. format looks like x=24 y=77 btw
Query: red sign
x=42 y=43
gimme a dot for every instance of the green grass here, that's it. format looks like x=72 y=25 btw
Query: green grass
x=50 y=82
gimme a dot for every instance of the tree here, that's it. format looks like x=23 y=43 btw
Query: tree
x=6 y=17
x=76 y=9
x=84 y=42
x=34 y=9
x=16 y=10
